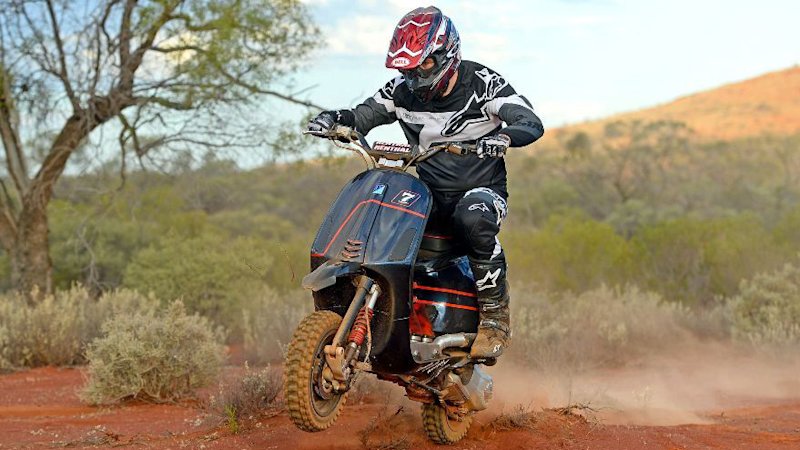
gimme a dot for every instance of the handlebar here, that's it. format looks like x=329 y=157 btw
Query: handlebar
x=391 y=151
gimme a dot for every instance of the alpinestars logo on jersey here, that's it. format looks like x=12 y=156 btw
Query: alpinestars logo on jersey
x=461 y=119
x=387 y=90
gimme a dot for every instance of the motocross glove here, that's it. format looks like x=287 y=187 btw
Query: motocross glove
x=322 y=124
x=494 y=146
x=326 y=120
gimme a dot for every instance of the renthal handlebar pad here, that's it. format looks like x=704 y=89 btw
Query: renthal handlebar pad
x=393 y=151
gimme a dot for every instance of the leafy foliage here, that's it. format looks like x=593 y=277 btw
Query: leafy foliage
x=569 y=253
x=685 y=222
x=210 y=274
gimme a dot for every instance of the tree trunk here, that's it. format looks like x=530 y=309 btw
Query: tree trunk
x=31 y=267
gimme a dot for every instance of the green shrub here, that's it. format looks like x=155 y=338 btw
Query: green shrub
x=767 y=309
x=693 y=261
x=211 y=274
x=156 y=356
x=268 y=322
x=602 y=327
x=570 y=253
x=55 y=330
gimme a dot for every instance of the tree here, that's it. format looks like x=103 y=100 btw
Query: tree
x=156 y=73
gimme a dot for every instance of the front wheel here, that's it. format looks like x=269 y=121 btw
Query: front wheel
x=311 y=402
x=441 y=428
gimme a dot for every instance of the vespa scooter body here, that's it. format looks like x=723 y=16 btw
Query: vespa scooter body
x=376 y=227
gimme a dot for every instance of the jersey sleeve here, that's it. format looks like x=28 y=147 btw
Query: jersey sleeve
x=378 y=109
x=523 y=126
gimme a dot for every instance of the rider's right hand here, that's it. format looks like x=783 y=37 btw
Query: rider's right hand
x=322 y=124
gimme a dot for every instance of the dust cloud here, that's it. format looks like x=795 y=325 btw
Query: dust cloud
x=687 y=387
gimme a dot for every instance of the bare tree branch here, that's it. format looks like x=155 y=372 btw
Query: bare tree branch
x=258 y=90
x=234 y=50
x=63 y=74
x=131 y=64
x=8 y=227
x=125 y=32
x=166 y=103
x=9 y=134
x=74 y=131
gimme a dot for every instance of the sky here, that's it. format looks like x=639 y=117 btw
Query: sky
x=574 y=59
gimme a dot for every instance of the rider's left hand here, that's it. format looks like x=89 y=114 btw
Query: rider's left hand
x=494 y=146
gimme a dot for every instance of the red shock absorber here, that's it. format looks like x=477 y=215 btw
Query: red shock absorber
x=359 y=331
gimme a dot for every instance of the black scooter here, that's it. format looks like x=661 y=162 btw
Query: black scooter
x=389 y=299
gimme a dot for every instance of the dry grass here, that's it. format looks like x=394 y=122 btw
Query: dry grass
x=56 y=330
x=368 y=389
x=255 y=394
x=519 y=418
x=603 y=327
x=525 y=418
x=381 y=434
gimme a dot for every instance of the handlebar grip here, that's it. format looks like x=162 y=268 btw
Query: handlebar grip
x=458 y=148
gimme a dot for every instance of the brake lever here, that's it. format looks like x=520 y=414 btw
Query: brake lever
x=316 y=134
x=339 y=133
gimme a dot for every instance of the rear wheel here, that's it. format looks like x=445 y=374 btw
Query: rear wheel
x=441 y=428
x=310 y=400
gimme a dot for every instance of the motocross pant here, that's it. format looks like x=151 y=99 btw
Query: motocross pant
x=473 y=219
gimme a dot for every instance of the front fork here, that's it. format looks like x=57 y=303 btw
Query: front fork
x=342 y=354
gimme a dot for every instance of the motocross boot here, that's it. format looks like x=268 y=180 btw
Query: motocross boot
x=494 y=328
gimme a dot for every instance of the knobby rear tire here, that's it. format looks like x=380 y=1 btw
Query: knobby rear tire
x=307 y=408
x=440 y=428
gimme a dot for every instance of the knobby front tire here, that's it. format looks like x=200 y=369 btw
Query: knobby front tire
x=310 y=408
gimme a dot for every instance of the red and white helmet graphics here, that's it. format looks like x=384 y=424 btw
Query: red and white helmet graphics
x=422 y=33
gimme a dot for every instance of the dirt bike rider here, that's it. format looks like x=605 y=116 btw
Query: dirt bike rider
x=439 y=98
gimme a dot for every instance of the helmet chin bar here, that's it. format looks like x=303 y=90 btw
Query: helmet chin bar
x=435 y=88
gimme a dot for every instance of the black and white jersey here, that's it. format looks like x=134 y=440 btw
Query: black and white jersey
x=476 y=107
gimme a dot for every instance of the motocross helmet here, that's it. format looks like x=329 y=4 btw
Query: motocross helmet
x=425 y=33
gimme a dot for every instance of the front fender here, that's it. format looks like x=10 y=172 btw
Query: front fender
x=326 y=274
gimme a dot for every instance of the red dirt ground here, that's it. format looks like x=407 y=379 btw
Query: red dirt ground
x=40 y=409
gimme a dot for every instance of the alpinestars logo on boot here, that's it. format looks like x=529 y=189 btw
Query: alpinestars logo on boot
x=490 y=277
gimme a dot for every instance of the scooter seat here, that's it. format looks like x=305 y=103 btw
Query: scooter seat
x=439 y=248
x=437 y=243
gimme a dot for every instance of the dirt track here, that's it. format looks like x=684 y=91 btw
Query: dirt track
x=40 y=409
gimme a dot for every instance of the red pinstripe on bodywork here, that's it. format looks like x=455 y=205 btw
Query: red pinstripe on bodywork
x=445 y=304
x=349 y=216
x=445 y=290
